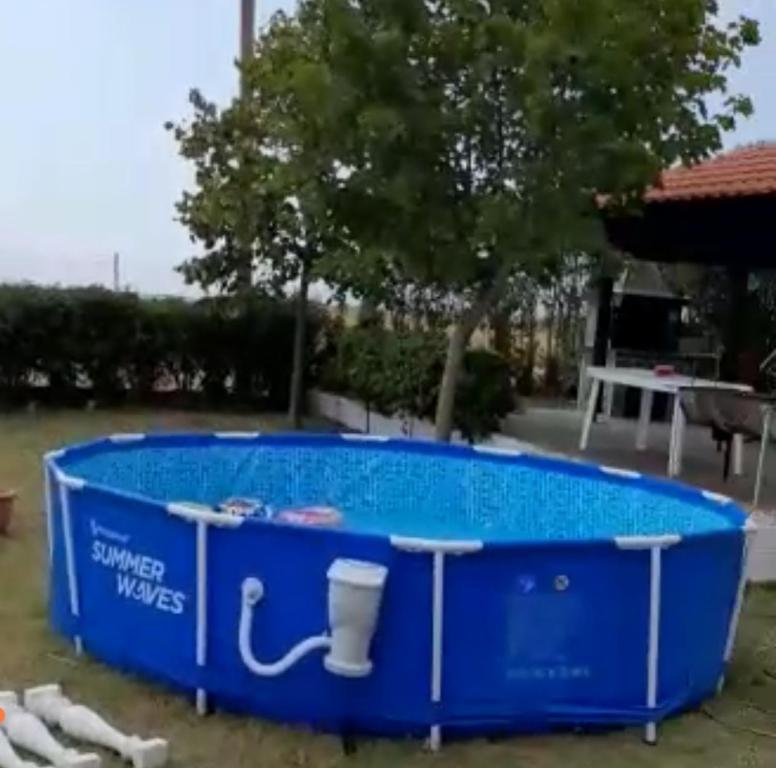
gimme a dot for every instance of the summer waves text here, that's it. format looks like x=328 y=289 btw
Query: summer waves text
x=138 y=577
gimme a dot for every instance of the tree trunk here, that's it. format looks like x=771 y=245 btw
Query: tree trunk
x=459 y=338
x=502 y=333
x=297 y=373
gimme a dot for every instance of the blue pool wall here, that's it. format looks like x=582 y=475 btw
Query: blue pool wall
x=518 y=653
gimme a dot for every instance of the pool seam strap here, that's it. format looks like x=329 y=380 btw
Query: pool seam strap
x=55 y=479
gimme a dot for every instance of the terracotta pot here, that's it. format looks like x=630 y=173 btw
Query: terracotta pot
x=7 y=499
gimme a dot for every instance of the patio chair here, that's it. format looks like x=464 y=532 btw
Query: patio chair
x=728 y=413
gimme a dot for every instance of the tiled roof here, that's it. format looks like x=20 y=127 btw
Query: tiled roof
x=742 y=172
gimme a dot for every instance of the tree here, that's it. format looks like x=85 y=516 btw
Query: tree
x=473 y=138
x=258 y=167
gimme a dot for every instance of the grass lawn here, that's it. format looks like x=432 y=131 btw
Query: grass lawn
x=736 y=729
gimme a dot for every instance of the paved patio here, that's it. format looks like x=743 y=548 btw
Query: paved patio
x=613 y=442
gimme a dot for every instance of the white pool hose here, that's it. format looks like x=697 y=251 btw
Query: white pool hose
x=252 y=593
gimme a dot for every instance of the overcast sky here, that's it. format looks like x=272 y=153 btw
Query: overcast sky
x=86 y=165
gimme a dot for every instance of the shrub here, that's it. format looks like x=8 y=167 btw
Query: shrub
x=398 y=372
x=486 y=393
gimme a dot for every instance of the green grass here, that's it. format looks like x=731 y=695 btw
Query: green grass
x=31 y=654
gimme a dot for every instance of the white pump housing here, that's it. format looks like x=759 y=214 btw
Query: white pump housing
x=355 y=593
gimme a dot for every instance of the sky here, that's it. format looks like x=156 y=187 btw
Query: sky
x=86 y=167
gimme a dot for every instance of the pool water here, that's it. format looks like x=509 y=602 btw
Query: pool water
x=417 y=491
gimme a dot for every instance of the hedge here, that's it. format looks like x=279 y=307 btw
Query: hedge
x=64 y=346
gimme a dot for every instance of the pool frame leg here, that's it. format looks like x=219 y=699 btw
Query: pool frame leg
x=437 y=638
x=655 y=545
x=66 y=484
x=201 y=610
x=202 y=519
x=653 y=650
x=438 y=549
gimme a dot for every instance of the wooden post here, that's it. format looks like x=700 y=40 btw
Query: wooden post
x=735 y=323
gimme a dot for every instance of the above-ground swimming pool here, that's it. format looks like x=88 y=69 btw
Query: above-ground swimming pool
x=393 y=587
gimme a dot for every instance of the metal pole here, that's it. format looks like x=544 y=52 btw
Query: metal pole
x=116 y=272
x=247 y=32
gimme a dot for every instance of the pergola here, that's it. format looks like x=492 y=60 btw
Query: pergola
x=720 y=212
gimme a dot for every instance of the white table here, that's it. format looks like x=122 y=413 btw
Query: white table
x=649 y=383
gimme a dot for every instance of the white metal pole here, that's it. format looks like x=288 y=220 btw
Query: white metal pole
x=738 y=454
x=595 y=388
x=653 y=650
x=201 y=610
x=438 y=607
x=645 y=414
x=72 y=580
x=677 y=437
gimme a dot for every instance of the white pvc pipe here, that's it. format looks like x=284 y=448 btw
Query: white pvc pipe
x=252 y=592
x=653 y=650
x=201 y=610
x=718 y=498
x=72 y=581
x=629 y=474
x=197 y=514
x=237 y=435
x=498 y=450
x=647 y=542
x=430 y=546
x=127 y=437
x=437 y=629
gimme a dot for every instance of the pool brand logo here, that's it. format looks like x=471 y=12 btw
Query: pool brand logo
x=139 y=577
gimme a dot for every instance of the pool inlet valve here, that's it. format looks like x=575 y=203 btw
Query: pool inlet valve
x=355 y=593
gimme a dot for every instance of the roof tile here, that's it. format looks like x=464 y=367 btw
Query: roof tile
x=742 y=172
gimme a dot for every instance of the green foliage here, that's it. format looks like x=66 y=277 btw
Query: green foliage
x=260 y=163
x=239 y=211
x=485 y=393
x=418 y=151
x=392 y=372
x=476 y=138
x=477 y=134
x=398 y=373
x=66 y=345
